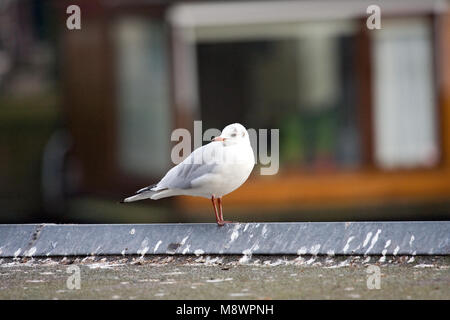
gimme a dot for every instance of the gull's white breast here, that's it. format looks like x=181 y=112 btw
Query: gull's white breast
x=234 y=165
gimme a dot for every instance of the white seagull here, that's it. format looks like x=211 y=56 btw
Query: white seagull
x=211 y=171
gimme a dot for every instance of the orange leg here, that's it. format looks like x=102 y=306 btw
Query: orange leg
x=215 y=210
x=222 y=222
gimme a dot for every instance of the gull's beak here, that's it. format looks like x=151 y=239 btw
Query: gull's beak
x=218 y=139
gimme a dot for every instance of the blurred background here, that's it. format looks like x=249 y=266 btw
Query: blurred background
x=86 y=115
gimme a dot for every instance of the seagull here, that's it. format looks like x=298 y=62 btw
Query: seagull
x=211 y=171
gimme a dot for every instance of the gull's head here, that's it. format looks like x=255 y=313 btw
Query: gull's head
x=233 y=133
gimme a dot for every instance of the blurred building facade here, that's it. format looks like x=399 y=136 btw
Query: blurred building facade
x=364 y=115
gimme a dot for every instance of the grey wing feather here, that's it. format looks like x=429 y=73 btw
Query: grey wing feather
x=149 y=188
x=181 y=176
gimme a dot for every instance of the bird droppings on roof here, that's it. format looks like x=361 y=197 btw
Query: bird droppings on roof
x=366 y=240
x=369 y=238
x=225 y=276
x=219 y=280
x=235 y=233
x=184 y=241
x=246 y=256
x=411 y=240
x=186 y=249
x=374 y=240
x=397 y=248
x=345 y=249
x=30 y=252
x=199 y=259
x=157 y=246
x=199 y=252
x=315 y=249
x=17 y=252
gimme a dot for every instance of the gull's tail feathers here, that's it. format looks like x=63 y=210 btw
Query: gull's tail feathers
x=151 y=192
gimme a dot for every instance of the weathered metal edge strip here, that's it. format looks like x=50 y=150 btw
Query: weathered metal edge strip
x=316 y=238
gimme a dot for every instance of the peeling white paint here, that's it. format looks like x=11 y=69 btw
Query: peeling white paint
x=302 y=251
x=17 y=252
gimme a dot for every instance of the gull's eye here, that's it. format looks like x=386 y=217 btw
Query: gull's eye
x=233 y=135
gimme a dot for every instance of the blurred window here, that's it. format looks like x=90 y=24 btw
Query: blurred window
x=142 y=88
x=404 y=97
x=343 y=96
x=300 y=79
